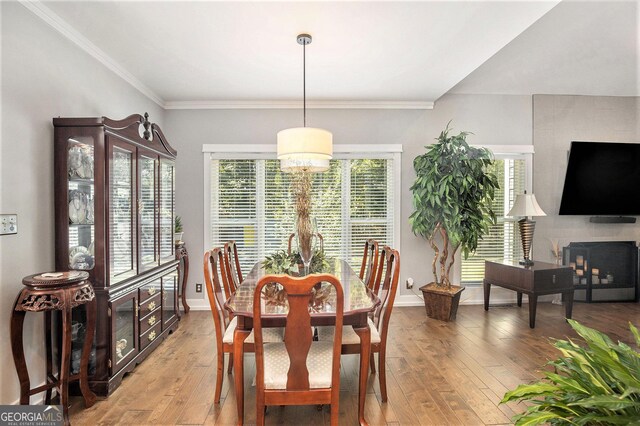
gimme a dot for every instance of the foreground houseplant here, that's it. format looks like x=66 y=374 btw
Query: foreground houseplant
x=452 y=198
x=598 y=384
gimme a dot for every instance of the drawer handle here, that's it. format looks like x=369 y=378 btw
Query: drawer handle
x=151 y=291
x=152 y=335
x=152 y=320
x=152 y=306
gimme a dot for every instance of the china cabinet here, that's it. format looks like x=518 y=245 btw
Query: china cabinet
x=114 y=212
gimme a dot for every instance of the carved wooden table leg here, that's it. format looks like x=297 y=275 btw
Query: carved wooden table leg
x=17 y=322
x=65 y=360
x=183 y=255
x=365 y=350
x=87 y=393
x=49 y=349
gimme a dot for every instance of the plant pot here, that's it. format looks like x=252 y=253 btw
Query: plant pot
x=177 y=237
x=440 y=303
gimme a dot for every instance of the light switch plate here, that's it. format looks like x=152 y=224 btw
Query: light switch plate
x=8 y=224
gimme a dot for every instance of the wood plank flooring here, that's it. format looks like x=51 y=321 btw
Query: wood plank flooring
x=437 y=373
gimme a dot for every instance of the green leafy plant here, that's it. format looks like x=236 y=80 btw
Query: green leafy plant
x=597 y=385
x=177 y=226
x=280 y=262
x=452 y=197
x=319 y=261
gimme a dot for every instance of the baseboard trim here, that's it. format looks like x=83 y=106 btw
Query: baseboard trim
x=199 y=304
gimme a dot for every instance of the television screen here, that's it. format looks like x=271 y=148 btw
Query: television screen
x=603 y=178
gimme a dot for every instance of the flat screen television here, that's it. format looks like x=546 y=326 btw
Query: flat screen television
x=603 y=178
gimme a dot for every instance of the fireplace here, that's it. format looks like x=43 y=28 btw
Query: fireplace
x=603 y=271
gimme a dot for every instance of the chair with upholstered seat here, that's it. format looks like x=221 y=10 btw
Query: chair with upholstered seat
x=232 y=266
x=214 y=273
x=369 y=263
x=386 y=285
x=298 y=371
x=293 y=236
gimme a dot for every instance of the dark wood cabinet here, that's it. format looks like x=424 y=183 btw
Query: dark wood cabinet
x=115 y=205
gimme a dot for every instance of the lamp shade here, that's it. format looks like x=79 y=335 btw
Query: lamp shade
x=526 y=205
x=305 y=149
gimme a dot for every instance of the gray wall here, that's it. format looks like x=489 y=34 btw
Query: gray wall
x=558 y=120
x=43 y=76
x=494 y=120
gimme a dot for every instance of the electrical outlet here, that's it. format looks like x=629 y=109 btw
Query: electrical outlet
x=198 y=287
x=8 y=224
x=409 y=283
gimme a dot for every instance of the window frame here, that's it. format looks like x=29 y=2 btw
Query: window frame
x=502 y=152
x=268 y=152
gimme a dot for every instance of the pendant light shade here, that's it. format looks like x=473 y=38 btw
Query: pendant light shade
x=304 y=149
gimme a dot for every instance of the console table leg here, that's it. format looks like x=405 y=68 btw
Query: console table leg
x=533 y=304
x=568 y=303
x=487 y=293
x=520 y=299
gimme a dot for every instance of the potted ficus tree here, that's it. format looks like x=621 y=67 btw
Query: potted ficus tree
x=452 y=198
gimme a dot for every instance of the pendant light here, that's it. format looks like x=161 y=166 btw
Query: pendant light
x=304 y=149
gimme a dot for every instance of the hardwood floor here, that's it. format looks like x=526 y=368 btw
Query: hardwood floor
x=437 y=373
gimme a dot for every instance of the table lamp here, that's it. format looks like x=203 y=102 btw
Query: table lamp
x=526 y=205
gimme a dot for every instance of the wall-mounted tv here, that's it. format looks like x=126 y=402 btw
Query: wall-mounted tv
x=603 y=178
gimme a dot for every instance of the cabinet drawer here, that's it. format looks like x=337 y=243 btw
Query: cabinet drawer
x=150 y=335
x=149 y=290
x=150 y=320
x=150 y=304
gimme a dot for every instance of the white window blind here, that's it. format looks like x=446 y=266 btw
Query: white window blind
x=251 y=203
x=502 y=241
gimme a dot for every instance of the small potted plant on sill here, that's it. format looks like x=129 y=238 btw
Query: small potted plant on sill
x=452 y=198
x=177 y=230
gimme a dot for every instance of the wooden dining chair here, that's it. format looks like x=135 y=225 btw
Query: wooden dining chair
x=298 y=371
x=292 y=236
x=369 y=263
x=385 y=286
x=215 y=275
x=232 y=265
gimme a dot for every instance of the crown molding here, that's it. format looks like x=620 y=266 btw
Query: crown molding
x=256 y=104
x=64 y=28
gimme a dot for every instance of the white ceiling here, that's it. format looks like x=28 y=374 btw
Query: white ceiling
x=578 y=48
x=184 y=54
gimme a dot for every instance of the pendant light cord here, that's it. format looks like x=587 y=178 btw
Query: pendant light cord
x=304 y=84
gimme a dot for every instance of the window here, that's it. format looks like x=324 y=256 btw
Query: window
x=502 y=241
x=250 y=202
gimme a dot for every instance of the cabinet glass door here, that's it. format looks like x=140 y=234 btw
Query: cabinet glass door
x=148 y=167
x=80 y=163
x=125 y=330
x=122 y=261
x=169 y=285
x=167 y=208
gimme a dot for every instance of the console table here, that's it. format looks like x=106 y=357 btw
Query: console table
x=534 y=280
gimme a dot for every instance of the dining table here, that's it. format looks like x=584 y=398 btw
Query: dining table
x=359 y=302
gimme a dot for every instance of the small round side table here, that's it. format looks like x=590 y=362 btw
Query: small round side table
x=47 y=292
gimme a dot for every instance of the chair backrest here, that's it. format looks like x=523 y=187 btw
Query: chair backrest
x=369 y=263
x=386 y=285
x=214 y=273
x=292 y=236
x=232 y=265
x=298 y=333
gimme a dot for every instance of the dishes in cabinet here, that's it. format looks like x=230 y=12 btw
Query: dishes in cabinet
x=80 y=162
x=80 y=208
